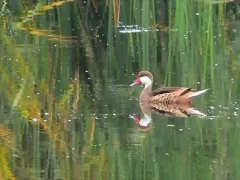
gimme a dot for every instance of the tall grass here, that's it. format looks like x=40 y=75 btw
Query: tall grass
x=64 y=104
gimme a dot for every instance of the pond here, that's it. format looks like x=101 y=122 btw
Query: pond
x=67 y=110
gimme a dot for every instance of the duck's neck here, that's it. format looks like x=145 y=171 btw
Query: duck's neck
x=146 y=93
x=148 y=88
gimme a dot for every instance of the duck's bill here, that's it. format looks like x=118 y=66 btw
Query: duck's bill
x=133 y=84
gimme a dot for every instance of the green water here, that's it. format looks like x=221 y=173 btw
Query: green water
x=66 y=108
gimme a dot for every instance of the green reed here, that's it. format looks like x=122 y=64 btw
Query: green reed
x=187 y=50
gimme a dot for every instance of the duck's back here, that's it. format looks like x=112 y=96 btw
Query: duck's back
x=171 y=95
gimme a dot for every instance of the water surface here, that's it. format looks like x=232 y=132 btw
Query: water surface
x=66 y=108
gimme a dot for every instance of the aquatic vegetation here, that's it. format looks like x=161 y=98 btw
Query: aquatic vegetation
x=64 y=66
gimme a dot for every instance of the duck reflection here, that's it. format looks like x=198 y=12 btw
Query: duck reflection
x=144 y=122
x=170 y=110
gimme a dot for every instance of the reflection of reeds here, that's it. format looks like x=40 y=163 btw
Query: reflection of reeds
x=116 y=11
x=49 y=34
x=183 y=47
x=31 y=99
x=6 y=144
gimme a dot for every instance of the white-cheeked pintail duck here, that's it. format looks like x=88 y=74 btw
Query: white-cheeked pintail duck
x=165 y=95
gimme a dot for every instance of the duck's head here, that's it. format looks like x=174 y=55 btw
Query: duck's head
x=144 y=77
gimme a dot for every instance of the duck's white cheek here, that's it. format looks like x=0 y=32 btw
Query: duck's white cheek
x=145 y=80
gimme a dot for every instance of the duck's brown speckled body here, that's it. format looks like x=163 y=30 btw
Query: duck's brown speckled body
x=164 y=95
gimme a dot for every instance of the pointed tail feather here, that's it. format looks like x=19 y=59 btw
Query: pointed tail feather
x=193 y=111
x=193 y=94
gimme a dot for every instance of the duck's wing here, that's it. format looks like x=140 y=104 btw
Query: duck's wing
x=181 y=90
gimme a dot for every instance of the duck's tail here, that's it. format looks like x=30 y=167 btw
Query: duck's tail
x=188 y=97
x=197 y=93
x=193 y=111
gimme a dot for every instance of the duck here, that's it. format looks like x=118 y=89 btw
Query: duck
x=164 y=95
